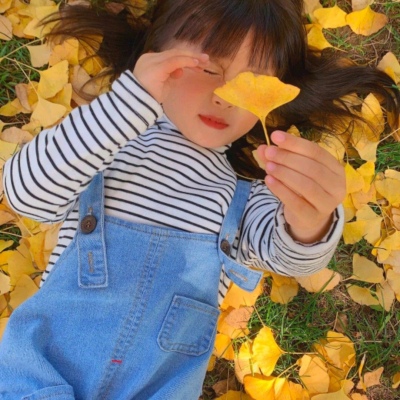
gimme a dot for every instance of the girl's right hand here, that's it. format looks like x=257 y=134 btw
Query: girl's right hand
x=153 y=70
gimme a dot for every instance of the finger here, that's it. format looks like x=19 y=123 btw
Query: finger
x=305 y=187
x=298 y=205
x=308 y=167
x=304 y=147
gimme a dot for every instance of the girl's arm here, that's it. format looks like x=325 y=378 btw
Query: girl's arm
x=43 y=180
x=265 y=241
x=292 y=225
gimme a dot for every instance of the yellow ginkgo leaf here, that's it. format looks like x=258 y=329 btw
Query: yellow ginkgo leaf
x=223 y=347
x=260 y=387
x=366 y=22
x=237 y=297
x=24 y=288
x=385 y=295
x=314 y=374
x=366 y=270
x=373 y=378
x=257 y=94
x=390 y=243
x=47 y=113
x=233 y=395
x=396 y=380
x=67 y=50
x=330 y=17
x=354 y=180
x=6 y=151
x=4 y=283
x=341 y=394
x=5 y=28
x=53 y=80
x=284 y=293
x=3 y=324
x=357 y=5
x=310 y=6
x=13 y=108
x=5 y=5
x=243 y=363
x=393 y=280
x=265 y=351
x=390 y=64
x=390 y=189
x=315 y=38
x=39 y=55
x=362 y=295
x=224 y=327
x=323 y=280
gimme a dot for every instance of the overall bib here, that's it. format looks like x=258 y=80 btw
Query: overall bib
x=129 y=311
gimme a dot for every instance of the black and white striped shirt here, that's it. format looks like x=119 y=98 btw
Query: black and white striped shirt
x=153 y=175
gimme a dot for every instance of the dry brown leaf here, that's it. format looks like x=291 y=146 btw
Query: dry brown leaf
x=358 y=5
x=16 y=135
x=239 y=318
x=372 y=378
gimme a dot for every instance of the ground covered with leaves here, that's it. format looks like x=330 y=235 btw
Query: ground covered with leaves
x=332 y=336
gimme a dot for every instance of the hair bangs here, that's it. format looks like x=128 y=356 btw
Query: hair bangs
x=220 y=28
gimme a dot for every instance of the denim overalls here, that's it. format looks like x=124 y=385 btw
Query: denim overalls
x=129 y=311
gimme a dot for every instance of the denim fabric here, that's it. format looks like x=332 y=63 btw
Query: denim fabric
x=129 y=311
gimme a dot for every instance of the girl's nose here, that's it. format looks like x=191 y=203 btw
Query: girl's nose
x=220 y=102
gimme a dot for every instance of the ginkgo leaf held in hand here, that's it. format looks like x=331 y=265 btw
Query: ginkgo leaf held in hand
x=257 y=94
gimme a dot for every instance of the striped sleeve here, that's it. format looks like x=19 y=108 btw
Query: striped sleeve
x=265 y=243
x=42 y=181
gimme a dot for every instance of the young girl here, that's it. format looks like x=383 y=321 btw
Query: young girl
x=155 y=222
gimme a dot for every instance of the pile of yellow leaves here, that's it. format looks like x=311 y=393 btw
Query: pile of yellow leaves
x=372 y=208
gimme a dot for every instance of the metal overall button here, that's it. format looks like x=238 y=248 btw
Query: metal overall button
x=225 y=247
x=88 y=224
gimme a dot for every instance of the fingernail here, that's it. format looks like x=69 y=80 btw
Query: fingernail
x=278 y=137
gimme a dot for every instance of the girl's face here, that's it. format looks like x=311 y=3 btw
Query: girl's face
x=201 y=116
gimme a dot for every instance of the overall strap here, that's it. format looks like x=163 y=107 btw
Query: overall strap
x=242 y=276
x=90 y=236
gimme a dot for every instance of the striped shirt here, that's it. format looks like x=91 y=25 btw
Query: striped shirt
x=153 y=175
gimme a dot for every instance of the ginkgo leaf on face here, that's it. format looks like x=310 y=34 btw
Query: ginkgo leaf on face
x=366 y=22
x=330 y=17
x=257 y=94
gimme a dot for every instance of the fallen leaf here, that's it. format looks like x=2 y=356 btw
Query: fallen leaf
x=234 y=395
x=237 y=297
x=257 y=94
x=385 y=295
x=366 y=270
x=265 y=351
x=24 y=288
x=390 y=65
x=223 y=347
x=47 y=113
x=321 y=281
x=53 y=79
x=357 y=5
x=372 y=378
x=341 y=394
x=315 y=38
x=239 y=318
x=362 y=295
x=330 y=17
x=39 y=55
x=16 y=136
x=366 y=22
x=314 y=374
x=5 y=28
x=396 y=380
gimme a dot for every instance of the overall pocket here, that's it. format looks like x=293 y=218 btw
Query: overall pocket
x=189 y=327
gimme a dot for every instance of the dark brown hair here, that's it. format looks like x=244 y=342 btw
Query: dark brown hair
x=220 y=26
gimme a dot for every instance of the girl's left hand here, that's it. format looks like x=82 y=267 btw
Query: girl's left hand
x=308 y=180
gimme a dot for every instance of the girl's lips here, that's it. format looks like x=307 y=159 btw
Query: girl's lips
x=213 y=122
